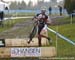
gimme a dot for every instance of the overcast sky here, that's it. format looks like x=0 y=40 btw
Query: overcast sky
x=34 y=1
x=29 y=0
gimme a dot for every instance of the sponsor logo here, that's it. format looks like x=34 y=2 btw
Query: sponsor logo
x=25 y=52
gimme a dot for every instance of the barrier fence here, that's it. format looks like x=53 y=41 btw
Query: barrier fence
x=61 y=36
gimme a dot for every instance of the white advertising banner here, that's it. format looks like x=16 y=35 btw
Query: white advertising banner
x=26 y=52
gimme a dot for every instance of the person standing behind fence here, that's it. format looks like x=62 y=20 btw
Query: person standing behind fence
x=50 y=10
x=2 y=8
x=60 y=10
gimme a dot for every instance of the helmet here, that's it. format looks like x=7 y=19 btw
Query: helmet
x=43 y=9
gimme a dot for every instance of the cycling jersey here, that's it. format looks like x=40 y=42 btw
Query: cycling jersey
x=42 y=20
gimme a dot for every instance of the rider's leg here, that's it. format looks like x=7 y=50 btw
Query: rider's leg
x=39 y=33
x=49 y=39
x=44 y=36
x=39 y=40
x=39 y=36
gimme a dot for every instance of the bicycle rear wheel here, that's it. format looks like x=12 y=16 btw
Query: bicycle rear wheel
x=33 y=32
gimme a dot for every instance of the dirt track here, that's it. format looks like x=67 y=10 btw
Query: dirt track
x=19 y=30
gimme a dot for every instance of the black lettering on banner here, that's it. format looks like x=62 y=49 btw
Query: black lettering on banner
x=37 y=50
x=17 y=52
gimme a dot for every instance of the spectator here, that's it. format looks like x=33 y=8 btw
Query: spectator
x=2 y=8
x=60 y=10
x=50 y=9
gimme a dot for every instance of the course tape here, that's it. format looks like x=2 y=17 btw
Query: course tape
x=16 y=18
x=61 y=36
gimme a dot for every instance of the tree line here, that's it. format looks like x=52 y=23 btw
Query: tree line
x=70 y=6
x=22 y=5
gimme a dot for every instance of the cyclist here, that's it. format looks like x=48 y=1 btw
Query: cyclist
x=42 y=20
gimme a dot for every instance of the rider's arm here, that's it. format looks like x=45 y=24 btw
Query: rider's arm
x=48 y=21
x=35 y=18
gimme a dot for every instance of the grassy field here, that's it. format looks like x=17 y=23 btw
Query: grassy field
x=64 y=49
x=22 y=14
x=65 y=20
x=10 y=23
